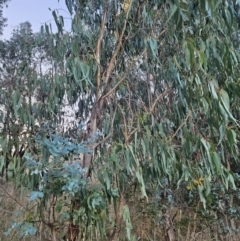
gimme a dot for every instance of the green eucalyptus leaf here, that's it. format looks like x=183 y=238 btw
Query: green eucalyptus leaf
x=225 y=99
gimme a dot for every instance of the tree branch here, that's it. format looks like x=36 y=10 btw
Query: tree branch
x=99 y=45
x=119 y=44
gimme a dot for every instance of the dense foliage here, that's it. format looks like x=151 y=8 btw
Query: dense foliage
x=154 y=88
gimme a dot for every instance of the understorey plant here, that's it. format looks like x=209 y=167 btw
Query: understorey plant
x=61 y=197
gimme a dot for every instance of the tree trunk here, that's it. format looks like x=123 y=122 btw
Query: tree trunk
x=72 y=234
x=118 y=219
x=73 y=230
x=169 y=228
x=232 y=223
x=53 y=234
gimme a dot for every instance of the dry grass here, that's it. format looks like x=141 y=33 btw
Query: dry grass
x=147 y=220
x=12 y=209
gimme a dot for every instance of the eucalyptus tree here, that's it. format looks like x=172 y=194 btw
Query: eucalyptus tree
x=26 y=83
x=160 y=80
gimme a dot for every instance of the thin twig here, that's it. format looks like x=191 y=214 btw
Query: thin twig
x=158 y=98
x=12 y=197
x=6 y=211
x=183 y=123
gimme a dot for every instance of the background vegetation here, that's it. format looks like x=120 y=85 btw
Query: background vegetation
x=126 y=127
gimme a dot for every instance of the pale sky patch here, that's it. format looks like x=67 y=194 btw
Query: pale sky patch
x=35 y=11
